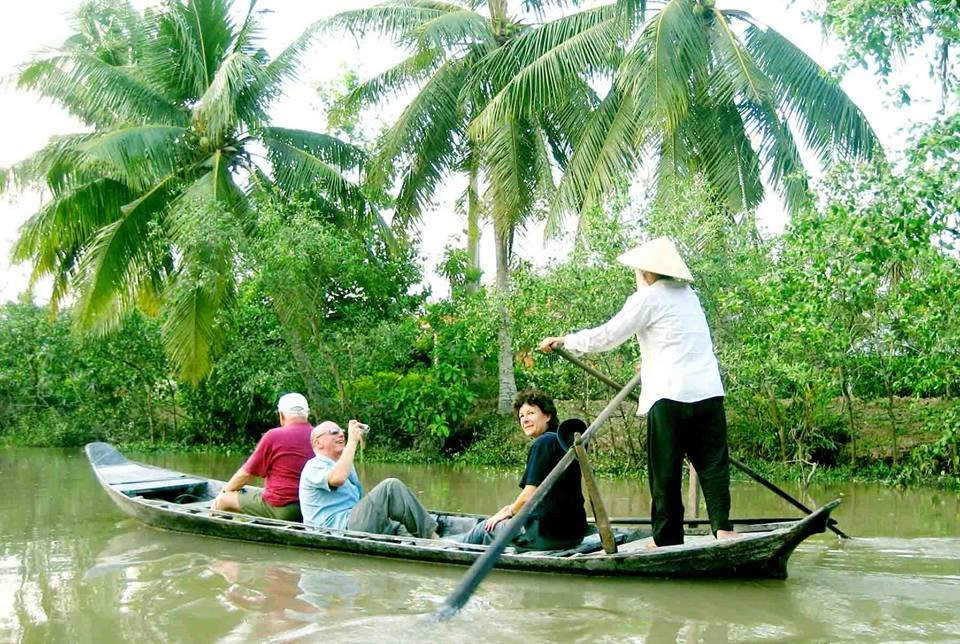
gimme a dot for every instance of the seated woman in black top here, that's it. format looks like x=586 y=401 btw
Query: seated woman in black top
x=559 y=521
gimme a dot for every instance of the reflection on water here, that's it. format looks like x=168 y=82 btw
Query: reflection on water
x=73 y=568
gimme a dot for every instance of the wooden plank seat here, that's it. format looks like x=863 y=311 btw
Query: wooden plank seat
x=134 y=488
x=132 y=473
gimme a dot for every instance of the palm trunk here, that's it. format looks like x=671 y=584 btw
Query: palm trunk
x=508 y=384
x=498 y=18
x=851 y=418
x=473 y=234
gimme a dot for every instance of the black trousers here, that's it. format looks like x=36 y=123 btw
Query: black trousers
x=698 y=431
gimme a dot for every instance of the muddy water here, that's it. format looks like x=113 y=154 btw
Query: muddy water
x=75 y=569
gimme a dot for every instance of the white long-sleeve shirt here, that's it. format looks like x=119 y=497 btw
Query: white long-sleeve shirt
x=677 y=360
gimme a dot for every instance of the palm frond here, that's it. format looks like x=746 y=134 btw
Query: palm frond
x=189 y=326
x=114 y=32
x=735 y=72
x=512 y=155
x=714 y=143
x=538 y=69
x=828 y=117
x=428 y=137
x=337 y=152
x=565 y=123
x=217 y=189
x=286 y=64
x=432 y=116
x=412 y=71
x=55 y=237
x=56 y=163
x=315 y=162
x=227 y=103
x=192 y=40
x=632 y=14
x=782 y=161
x=96 y=92
x=607 y=152
x=399 y=19
x=539 y=7
x=117 y=259
x=727 y=158
x=454 y=29
x=667 y=63
x=140 y=153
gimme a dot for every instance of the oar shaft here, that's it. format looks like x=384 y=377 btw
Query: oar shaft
x=485 y=563
x=602 y=377
x=733 y=461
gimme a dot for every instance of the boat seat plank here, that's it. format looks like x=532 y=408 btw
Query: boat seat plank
x=119 y=474
x=134 y=487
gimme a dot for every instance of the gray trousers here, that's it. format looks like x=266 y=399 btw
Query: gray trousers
x=391 y=502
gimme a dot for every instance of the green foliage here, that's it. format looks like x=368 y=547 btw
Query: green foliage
x=420 y=408
x=145 y=209
x=61 y=389
x=884 y=32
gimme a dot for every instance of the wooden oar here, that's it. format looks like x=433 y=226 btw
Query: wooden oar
x=484 y=564
x=733 y=461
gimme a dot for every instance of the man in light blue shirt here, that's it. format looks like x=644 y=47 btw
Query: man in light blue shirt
x=331 y=495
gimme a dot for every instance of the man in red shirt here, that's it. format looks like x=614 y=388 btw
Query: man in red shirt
x=278 y=459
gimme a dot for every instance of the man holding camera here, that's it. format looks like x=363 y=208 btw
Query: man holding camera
x=331 y=495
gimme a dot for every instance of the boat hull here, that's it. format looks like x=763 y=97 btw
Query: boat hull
x=150 y=495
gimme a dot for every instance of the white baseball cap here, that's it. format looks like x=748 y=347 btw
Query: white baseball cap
x=293 y=403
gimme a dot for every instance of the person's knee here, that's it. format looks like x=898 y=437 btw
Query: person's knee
x=392 y=484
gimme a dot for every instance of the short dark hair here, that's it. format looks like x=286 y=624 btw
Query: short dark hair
x=537 y=398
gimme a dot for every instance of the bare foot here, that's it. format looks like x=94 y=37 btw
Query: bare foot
x=727 y=534
x=434 y=535
x=651 y=545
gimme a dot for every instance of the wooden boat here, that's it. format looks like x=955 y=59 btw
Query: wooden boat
x=175 y=501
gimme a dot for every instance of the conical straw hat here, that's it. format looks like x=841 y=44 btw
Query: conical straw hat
x=659 y=256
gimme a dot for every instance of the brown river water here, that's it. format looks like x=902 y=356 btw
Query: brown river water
x=73 y=568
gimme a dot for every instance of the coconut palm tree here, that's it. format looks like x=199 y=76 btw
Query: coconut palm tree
x=150 y=207
x=694 y=90
x=509 y=173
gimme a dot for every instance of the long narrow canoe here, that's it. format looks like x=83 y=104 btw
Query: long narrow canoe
x=175 y=501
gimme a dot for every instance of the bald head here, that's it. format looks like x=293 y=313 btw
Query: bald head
x=322 y=428
x=327 y=438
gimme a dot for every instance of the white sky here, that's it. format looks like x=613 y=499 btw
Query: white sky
x=27 y=122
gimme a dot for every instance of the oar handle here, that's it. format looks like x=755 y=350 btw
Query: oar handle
x=485 y=563
x=733 y=461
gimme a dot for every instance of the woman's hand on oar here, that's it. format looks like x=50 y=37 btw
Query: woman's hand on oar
x=550 y=343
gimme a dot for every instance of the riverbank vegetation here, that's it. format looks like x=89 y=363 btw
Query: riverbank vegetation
x=193 y=284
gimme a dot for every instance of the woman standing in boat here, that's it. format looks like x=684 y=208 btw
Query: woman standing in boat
x=681 y=394
x=559 y=521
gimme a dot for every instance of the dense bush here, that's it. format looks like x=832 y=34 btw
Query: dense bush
x=61 y=388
